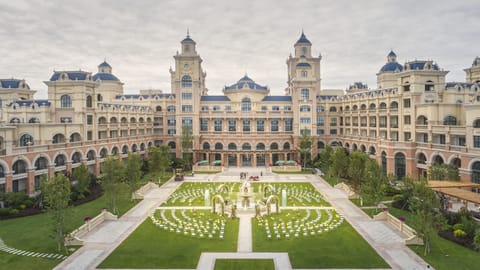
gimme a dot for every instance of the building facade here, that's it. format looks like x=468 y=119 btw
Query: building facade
x=413 y=119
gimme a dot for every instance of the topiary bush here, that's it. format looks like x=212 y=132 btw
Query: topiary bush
x=458 y=226
x=459 y=233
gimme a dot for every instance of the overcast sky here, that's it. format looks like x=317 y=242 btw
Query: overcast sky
x=138 y=38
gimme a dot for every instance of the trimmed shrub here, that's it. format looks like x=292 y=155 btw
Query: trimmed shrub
x=13 y=211
x=398 y=198
x=447 y=227
x=459 y=233
x=4 y=212
x=458 y=226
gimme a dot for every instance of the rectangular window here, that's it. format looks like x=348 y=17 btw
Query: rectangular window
x=461 y=141
x=275 y=108
x=260 y=125
x=187 y=108
x=288 y=124
x=320 y=131
x=406 y=88
x=171 y=121
x=203 y=124
x=216 y=108
x=65 y=120
x=264 y=108
x=476 y=141
x=204 y=108
x=89 y=135
x=246 y=125
x=228 y=108
x=406 y=103
x=333 y=132
x=232 y=125
x=320 y=121
x=320 y=108
x=305 y=131
x=287 y=108
x=442 y=139
x=187 y=95
x=407 y=120
x=217 y=124
x=383 y=121
x=274 y=126
x=89 y=120
x=305 y=94
x=187 y=121
x=305 y=120
x=333 y=122
x=407 y=136
x=171 y=131
x=373 y=121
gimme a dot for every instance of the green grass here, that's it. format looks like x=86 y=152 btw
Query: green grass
x=444 y=254
x=33 y=233
x=342 y=247
x=331 y=180
x=244 y=264
x=151 y=247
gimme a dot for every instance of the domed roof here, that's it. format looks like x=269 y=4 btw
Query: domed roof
x=392 y=66
x=104 y=64
x=392 y=54
x=303 y=39
x=246 y=83
x=105 y=77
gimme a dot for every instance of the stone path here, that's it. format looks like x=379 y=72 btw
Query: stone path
x=244 y=243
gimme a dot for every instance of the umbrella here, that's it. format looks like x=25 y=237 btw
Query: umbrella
x=279 y=162
x=217 y=162
x=291 y=162
x=203 y=162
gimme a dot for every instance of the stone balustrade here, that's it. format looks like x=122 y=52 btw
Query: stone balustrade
x=75 y=238
x=140 y=193
x=400 y=225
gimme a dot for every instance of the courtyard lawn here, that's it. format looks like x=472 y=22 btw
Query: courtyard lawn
x=244 y=264
x=308 y=171
x=34 y=233
x=342 y=247
x=444 y=254
x=151 y=247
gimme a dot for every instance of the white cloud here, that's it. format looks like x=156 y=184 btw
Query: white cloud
x=139 y=38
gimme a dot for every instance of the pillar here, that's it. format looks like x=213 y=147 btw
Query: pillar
x=254 y=160
x=8 y=181
x=238 y=160
x=30 y=181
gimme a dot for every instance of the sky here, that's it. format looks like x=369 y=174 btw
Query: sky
x=139 y=38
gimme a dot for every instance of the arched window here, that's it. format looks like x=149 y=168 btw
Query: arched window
x=186 y=81
x=158 y=108
x=58 y=138
x=429 y=86
x=371 y=150
x=26 y=140
x=400 y=165
x=274 y=146
x=286 y=146
x=123 y=120
x=34 y=120
x=142 y=147
x=438 y=160
x=450 y=121
x=246 y=146
x=65 y=101
x=102 y=120
x=354 y=108
x=260 y=146
x=134 y=148
x=206 y=146
x=218 y=146
x=20 y=166
x=422 y=159
x=476 y=172
x=60 y=160
x=125 y=149
x=15 y=120
x=172 y=145
x=363 y=107
x=333 y=109
x=77 y=157
x=232 y=146
x=422 y=120
x=383 y=105
x=320 y=145
x=103 y=153
x=41 y=163
x=2 y=173
x=114 y=151
x=246 y=105
x=113 y=120
x=394 y=105
x=91 y=155
x=89 y=102
x=372 y=106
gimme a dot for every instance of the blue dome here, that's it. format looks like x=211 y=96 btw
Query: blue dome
x=104 y=64
x=247 y=83
x=392 y=66
x=105 y=77
x=303 y=39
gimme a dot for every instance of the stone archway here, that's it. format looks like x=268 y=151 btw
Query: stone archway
x=214 y=204
x=276 y=199
x=223 y=188
x=268 y=188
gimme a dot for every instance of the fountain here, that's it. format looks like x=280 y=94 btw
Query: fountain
x=207 y=197
x=284 y=198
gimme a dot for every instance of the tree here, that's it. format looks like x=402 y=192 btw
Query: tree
x=82 y=176
x=357 y=169
x=444 y=172
x=159 y=159
x=305 y=146
x=133 y=171
x=187 y=145
x=112 y=170
x=56 y=197
x=374 y=182
x=325 y=158
x=339 y=163
x=423 y=202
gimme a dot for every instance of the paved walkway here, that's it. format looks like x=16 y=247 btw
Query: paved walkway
x=383 y=238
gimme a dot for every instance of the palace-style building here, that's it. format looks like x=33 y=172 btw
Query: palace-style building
x=413 y=119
